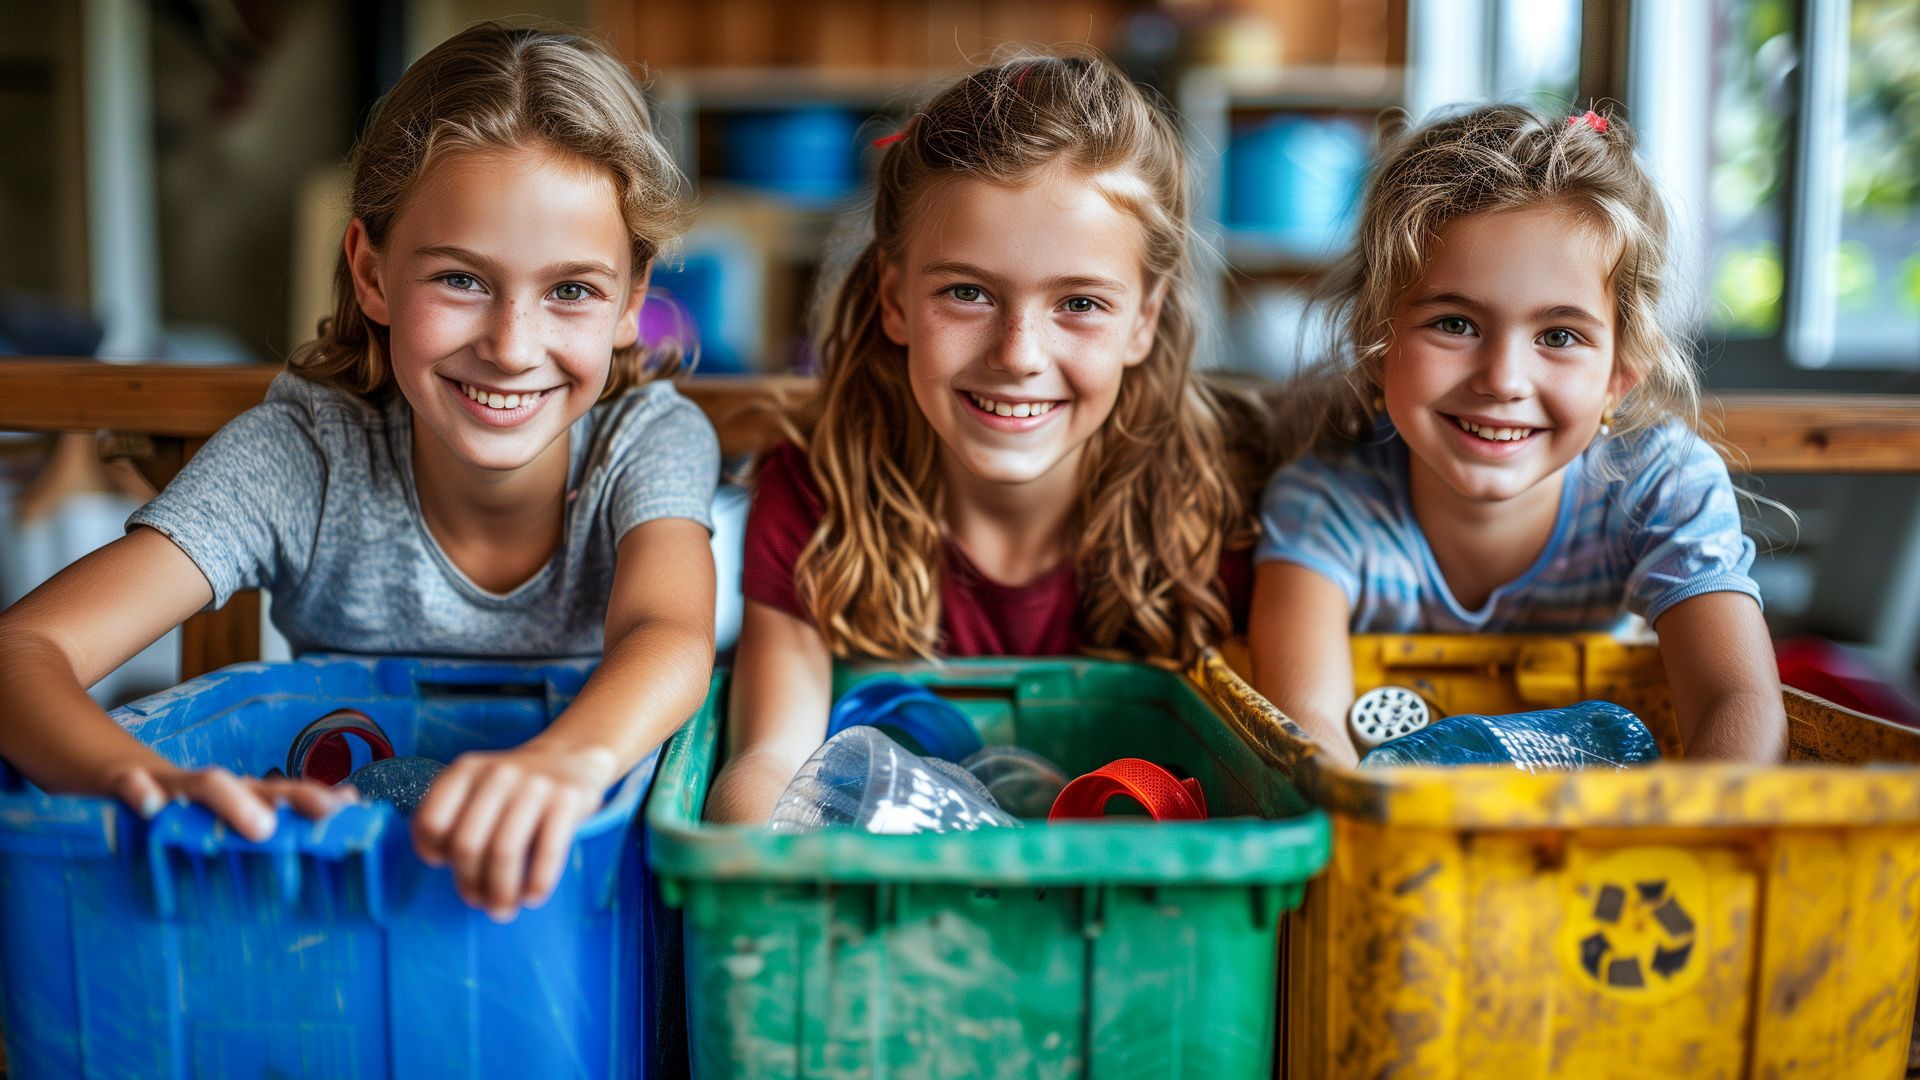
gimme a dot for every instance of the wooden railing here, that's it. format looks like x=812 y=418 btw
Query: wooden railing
x=158 y=415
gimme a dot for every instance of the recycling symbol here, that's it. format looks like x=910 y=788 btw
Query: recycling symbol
x=1634 y=925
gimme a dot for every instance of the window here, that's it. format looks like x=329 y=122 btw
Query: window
x=1813 y=181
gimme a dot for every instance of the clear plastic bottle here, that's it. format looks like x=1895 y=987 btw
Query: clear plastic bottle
x=863 y=779
x=1590 y=735
x=1022 y=782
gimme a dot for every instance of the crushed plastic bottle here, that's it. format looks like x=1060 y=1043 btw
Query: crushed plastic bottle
x=402 y=781
x=863 y=779
x=1022 y=782
x=1590 y=735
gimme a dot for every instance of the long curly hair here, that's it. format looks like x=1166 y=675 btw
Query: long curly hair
x=1484 y=159
x=1159 y=496
x=493 y=87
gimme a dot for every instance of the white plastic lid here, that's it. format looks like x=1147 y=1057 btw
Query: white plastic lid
x=1385 y=713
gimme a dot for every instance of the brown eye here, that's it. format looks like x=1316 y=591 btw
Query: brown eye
x=966 y=294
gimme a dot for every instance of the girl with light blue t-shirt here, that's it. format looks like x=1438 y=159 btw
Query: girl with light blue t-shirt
x=1508 y=443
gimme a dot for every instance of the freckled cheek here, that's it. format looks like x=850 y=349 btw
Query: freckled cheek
x=940 y=346
x=427 y=330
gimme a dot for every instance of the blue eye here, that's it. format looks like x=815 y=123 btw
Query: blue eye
x=462 y=282
x=1558 y=339
x=967 y=294
x=1081 y=305
x=572 y=291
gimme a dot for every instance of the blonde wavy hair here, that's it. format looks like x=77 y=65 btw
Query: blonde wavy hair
x=493 y=88
x=1486 y=159
x=1158 y=496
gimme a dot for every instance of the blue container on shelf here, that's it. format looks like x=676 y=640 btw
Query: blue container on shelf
x=808 y=152
x=173 y=948
x=1294 y=182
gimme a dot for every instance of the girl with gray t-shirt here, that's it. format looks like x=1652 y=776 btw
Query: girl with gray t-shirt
x=471 y=459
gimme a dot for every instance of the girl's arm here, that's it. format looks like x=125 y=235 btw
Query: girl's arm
x=68 y=634
x=505 y=820
x=1302 y=661
x=777 y=717
x=1724 y=679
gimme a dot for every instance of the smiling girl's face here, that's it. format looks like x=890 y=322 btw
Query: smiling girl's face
x=1502 y=359
x=506 y=283
x=1020 y=308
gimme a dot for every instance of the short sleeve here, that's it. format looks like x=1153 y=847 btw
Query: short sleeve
x=1307 y=517
x=781 y=522
x=246 y=507
x=668 y=467
x=1684 y=533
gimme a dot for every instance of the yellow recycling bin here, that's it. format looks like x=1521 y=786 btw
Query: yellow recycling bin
x=1697 y=921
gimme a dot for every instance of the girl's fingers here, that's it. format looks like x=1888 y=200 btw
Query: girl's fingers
x=550 y=850
x=467 y=847
x=308 y=799
x=433 y=823
x=232 y=800
x=137 y=788
x=506 y=861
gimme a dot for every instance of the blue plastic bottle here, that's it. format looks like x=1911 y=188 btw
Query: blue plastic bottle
x=1590 y=735
x=921 y=720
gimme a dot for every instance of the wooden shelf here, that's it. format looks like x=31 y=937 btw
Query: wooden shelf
x=746 y=88
x=1359 y=88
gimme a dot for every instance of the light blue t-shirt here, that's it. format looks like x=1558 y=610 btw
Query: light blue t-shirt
x=310 y=496
x=1667 y=531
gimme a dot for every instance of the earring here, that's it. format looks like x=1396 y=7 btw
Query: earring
x=1606 y=419
x=1379 y=402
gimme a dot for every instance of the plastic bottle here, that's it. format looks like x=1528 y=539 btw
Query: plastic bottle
x=1590 y=735
x=863 y=779
x=1021 y=781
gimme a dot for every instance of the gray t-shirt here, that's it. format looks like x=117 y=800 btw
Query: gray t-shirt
x=310 y=496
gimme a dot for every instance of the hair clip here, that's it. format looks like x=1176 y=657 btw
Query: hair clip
x=1592 y=119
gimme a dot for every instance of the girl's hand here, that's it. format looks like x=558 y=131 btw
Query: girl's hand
x=245 y=803
x=504 y=821
x=1302 y=656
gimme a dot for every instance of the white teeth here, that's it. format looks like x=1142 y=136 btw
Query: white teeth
x=499 y=401
x=1002 y=408
x=1494 y=434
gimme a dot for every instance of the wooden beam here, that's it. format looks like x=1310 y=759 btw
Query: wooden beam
x=193 y=400
x=1766 y=431
x=1772 y=431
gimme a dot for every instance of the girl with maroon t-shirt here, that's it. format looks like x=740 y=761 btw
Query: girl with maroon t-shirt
x=1008 y=453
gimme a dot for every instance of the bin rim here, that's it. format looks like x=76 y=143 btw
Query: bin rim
x=1497 y=798
x=1223 y=852
x=99 y=825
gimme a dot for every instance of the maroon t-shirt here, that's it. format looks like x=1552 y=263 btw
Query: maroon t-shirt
x=978 y=616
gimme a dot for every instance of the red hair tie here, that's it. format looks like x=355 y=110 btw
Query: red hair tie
x=885 y=141
x=1592 y=119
